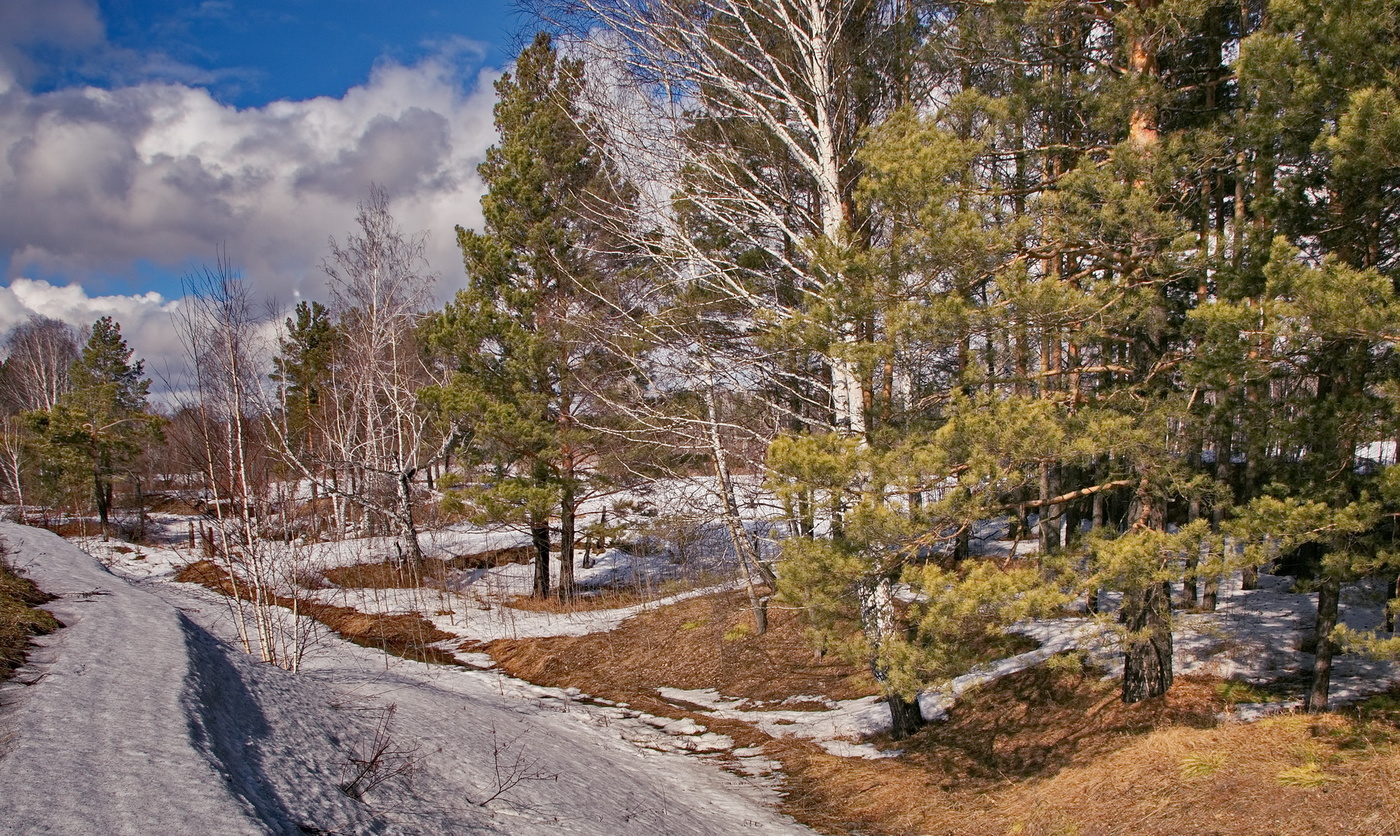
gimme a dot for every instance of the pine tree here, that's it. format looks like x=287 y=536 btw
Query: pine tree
x=526 y=335
x=98 y=427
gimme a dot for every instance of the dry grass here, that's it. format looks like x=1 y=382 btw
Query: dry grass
x=388 y=575
x=1048 y=752
x=435 y=571
x=616 y=596
x=19 y=619
x=684 y=646
x=595 y=599
x=408 y=635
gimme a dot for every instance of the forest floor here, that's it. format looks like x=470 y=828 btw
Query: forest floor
x=1037 y=743
x=1047 y=750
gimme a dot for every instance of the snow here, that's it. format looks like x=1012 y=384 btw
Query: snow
x=139 y=719
x=107 y=726
x=280 y=744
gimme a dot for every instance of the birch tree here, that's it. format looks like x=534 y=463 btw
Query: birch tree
x=39 y=353
x=379 y=433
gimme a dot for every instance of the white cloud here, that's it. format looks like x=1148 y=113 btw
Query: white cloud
x=93 y=180
x=145 y=318
x=96 y=181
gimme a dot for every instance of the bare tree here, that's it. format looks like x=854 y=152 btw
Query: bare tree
x=39 y=353
x=14 y=457
x=379 y=434
x=248 y=532
x=754 y=113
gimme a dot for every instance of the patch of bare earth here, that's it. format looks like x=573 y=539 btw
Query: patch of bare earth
x=1044 y=751
x=613 y=597
x=435 y=572
x=703 y=642
x=406 y=634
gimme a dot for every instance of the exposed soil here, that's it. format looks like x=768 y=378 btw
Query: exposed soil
x=704 y=642
x=435 y=572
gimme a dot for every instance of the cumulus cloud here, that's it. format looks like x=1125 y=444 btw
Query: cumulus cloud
x=93 y=180
x=98 y=180
x=145 y=318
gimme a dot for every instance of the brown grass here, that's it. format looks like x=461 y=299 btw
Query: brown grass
x=1046 y=752
x=408 y=634
x=618 y=596
x=600 y=599
x=19 y=619
x=435 y=571
x=684 y=645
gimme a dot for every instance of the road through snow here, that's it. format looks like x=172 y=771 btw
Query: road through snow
x=101 y=742
x=139 y=721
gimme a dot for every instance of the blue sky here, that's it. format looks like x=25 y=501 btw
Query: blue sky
x=139 y=138
x=251 y=52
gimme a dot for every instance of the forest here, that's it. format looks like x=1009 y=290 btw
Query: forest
x=1119 y=277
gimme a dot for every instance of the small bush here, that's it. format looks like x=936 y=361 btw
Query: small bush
x=737 y=632
x=1236 y=691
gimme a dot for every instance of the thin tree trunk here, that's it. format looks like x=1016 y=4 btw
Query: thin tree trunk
x=743 y=545
x=1390 y=605
x=408 y=530
x=1189 y=598
x=1049 y=527
x=1328 y=600
x=568 y=516
x=539 y=538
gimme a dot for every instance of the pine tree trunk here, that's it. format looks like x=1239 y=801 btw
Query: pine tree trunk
x=1390 y=606
x=1328 y=600
x=1147 y=651
x=568 y=516
x=905 y=715
x=1049 y=526
x=1210 y=595
x=102 y=498
x=1189 y=599
x=539 y=538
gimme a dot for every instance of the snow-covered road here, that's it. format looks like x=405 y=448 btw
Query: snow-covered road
x=137 y=720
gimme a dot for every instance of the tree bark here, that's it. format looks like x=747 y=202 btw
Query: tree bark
x=1390 y=609
x=1210 y=595
x=877 y=622
x=1049 y=525
x=568 y=516
x=408 y=530
x=905 y=715
x=1189 y=597
x=1147 y=652
x=1328 y=600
